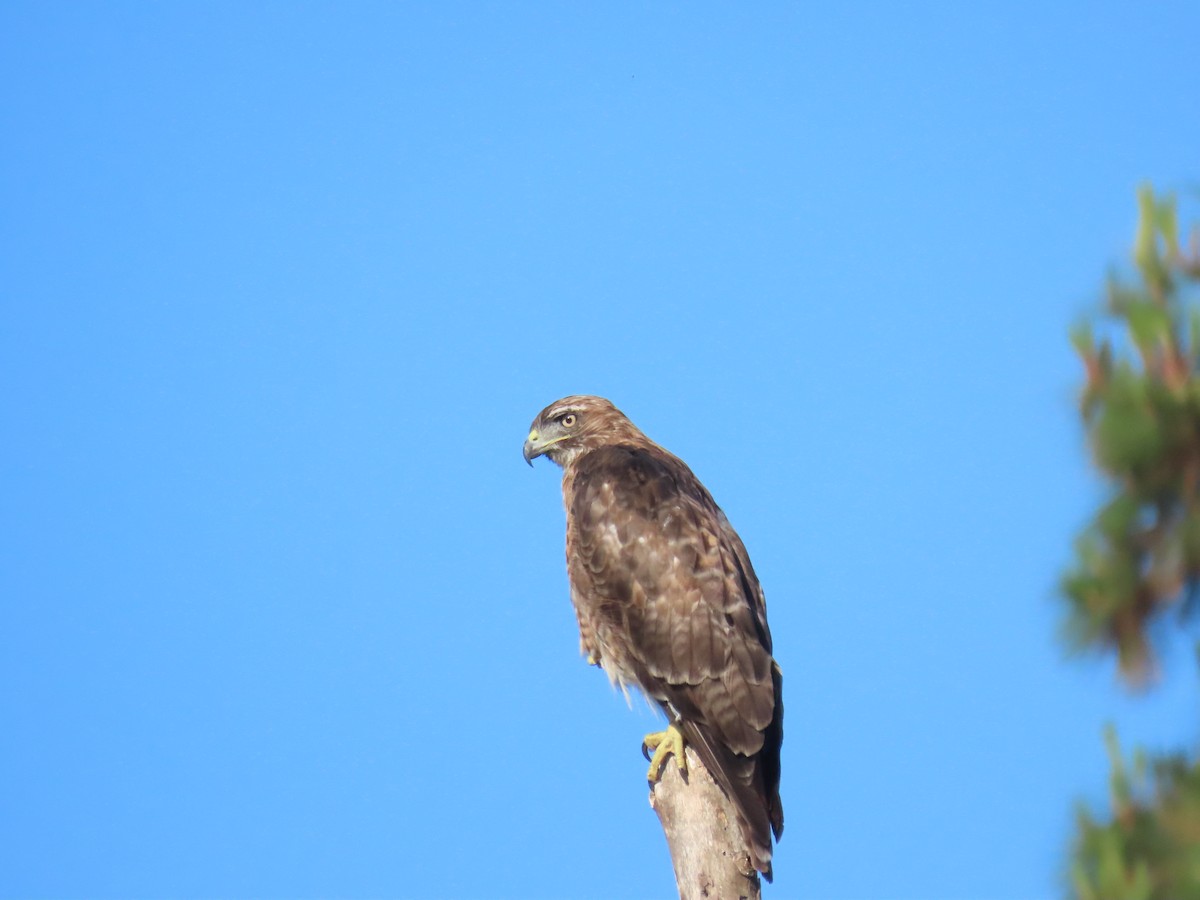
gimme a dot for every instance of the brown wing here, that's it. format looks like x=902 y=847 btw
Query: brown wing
x=679 y=612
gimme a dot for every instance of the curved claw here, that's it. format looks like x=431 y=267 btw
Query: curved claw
x=664 y=744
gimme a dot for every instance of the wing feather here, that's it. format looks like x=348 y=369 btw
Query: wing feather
x=675 y=608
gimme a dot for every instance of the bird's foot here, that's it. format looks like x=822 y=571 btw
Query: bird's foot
x=664 y=744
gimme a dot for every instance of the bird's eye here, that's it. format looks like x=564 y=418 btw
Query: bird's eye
x=568 y=421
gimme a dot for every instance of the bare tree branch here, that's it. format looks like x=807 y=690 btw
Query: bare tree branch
x=707 y=850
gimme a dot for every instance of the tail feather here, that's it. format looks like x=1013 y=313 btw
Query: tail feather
x=742 y=780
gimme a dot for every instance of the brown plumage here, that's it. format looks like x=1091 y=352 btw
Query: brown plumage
x=668 y=601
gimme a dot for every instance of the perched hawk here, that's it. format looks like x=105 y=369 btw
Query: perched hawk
x=668 y=602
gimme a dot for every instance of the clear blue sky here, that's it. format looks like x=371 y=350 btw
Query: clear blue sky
x=284 y=613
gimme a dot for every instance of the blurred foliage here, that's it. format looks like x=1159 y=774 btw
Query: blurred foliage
x=1137 y=563
x=1151 y=848
x=1140 y=556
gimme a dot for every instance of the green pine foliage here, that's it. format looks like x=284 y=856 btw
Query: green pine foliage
x=1150 y=849
x=1139 y=559
x=1137 y=565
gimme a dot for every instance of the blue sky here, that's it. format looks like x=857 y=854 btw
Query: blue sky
x=285 y=614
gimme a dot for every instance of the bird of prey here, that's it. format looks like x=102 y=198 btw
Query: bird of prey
x=668 y=602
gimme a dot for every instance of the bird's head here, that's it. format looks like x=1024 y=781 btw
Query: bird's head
x=573 y=425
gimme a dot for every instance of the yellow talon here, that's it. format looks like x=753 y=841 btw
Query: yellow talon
x=664 y=743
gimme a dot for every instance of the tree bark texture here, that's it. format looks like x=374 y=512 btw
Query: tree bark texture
x=707 y=850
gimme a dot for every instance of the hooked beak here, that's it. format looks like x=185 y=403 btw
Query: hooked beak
x=532 y=450
x=538 y=443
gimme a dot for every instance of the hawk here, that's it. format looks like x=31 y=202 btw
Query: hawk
x=668 y=602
